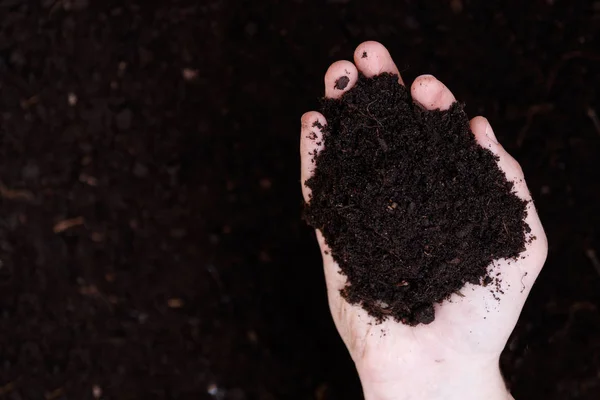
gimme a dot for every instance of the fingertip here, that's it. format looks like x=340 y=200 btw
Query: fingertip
x=312 y=120
x=485 y=137
x=340 y=77
x=432 y=94
x=479 y=124
x=479 y=127
x=308 y=117
x=369 y=48
x=372 y=58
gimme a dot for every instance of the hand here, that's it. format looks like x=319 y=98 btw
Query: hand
x=457 y=355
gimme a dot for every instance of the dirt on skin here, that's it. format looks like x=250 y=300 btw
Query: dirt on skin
x=410 y=205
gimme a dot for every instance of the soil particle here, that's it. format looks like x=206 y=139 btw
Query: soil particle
x=341 y=83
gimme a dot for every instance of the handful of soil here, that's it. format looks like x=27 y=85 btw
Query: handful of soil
x=410 y=205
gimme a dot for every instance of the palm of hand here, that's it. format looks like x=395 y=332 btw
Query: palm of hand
x=475 y=325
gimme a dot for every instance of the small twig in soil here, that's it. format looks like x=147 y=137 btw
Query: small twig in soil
x=6 y=389
x=65 y=224
x=591 y=254
x=90 y=180
x=55 y=394
x=594 y=117
x=505 y=228
x=15 y=194
x=175 y=302
x=33 y=100
x=371 y=115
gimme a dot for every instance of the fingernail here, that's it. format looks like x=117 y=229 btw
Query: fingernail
x=489 y=132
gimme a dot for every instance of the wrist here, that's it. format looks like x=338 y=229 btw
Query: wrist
x=472 y=379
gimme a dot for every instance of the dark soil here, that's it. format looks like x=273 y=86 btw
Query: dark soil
x=410 y=205
x=191 y=275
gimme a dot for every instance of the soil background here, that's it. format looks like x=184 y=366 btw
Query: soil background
x=151 y=245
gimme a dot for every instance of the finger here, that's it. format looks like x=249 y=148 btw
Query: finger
x=372 y=58
x=340 y=77
x=334 y=279
x=537 y=247
x=311 y=143
x=431 y=93
x=484 y=135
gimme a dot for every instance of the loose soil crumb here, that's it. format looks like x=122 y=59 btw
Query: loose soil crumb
x=341 y=83
x=410 y=205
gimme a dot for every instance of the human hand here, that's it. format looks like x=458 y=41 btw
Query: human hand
x=456 y=356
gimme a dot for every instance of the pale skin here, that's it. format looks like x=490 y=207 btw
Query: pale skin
x=457 y=355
